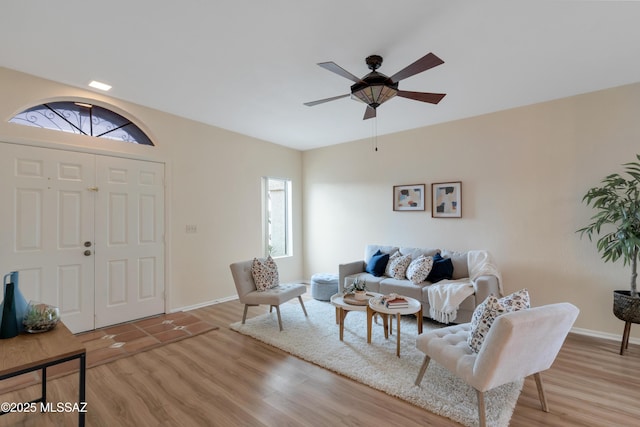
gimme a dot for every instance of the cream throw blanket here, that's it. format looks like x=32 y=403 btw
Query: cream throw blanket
x=481 y=264
x=446 y=296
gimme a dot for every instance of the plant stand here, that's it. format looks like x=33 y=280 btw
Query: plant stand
x=626 y=308
x=625 y=337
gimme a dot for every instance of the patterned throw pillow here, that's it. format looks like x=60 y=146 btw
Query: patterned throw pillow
x=487 y=311
x=265 y=273
x=399 y=266
x=419 y=269
x=388 y=271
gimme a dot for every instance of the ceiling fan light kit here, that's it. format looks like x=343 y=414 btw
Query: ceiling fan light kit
x=375 y=88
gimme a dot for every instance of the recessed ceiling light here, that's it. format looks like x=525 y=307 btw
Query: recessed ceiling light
x=99 y=85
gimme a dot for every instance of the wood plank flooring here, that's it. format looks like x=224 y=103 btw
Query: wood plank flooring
x=222 y=378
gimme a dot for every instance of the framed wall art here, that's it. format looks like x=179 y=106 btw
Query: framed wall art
x=408 y=197
x=446 y=200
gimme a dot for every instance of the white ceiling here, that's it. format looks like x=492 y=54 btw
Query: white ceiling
x=249 y=65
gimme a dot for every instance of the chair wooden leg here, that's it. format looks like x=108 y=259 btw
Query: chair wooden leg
x=541 y=395
x=279 y=318
x=244 y=315
x=625 y=337
x=423 y=369
x=482 y=417
x=302 y=304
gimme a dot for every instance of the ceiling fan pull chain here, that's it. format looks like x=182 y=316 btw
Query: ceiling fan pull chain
x=374 y=127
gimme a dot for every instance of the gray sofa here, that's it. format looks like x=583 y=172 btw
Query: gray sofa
x=484 y=277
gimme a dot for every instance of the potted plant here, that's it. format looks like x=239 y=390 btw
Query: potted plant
x=617 y=225
x=358 y=288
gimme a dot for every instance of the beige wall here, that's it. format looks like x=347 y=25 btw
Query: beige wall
x=523 y=174
x=213 y=181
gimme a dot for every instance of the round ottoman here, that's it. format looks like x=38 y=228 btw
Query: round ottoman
x=323 y=285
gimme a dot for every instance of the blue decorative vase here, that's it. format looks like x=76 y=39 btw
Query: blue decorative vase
x=13 y=307
x=9 y=325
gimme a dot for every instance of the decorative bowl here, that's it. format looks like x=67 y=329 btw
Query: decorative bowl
x=40 y=317
x=360 y=295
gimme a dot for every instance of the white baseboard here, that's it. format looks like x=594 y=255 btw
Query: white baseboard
x=219 y=301
x=204 y=304
x=605 y=335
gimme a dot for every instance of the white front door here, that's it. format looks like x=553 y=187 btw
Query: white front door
x=85 y=232
x=45 y=219
x=129 y=246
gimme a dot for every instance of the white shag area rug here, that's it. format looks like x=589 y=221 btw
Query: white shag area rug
x=316 y=339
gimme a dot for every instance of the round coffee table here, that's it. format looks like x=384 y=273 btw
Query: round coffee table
x=375 y=306
x=343 y=308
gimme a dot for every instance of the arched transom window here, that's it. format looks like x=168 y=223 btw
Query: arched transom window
x=84 y=119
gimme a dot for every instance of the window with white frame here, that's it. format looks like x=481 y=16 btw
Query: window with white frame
x=277 y=216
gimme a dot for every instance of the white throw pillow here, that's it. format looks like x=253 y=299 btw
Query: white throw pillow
x=265 y=273
x=419 y=269
x=392 y=258
x=399 y=266
x=489 y=310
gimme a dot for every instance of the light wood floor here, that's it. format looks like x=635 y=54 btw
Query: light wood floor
x=222 y=378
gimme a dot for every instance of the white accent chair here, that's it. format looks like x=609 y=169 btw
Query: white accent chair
x=519 y=344
x=250 y=296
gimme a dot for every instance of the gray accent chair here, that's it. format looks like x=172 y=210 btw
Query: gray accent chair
x=519 y=344
x=250 y=296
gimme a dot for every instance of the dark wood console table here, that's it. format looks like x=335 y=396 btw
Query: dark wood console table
x=33 y=352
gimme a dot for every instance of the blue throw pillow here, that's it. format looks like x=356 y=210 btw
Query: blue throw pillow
x=377 y=264
x=442 y=269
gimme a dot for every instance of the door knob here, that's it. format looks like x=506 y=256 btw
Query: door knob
x=87 y=252
x=87 y=244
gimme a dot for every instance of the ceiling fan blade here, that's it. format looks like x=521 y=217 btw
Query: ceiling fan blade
x=335 y=68
x=432 y=98
x=369 y=113
x=322 y=101
x=422 y=64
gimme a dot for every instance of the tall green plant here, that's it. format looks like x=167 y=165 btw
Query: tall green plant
x=617 y=218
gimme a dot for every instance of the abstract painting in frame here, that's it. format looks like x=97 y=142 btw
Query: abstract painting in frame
x=408 y=197
x=446 y=200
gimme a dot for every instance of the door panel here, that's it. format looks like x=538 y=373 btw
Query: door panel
x=130 y=248
x=28 y=215
x=51 y=202
x=46 y=217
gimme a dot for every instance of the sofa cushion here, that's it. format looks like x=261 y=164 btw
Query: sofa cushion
x=487 y=311
x=265 y=273
x=370 y=250
x=377 y=264
x=398 y=266
x=419 y=269
x=401 y=287
x=373 y=282
x=442 y=269
x=416 y=252
x=460 y=266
